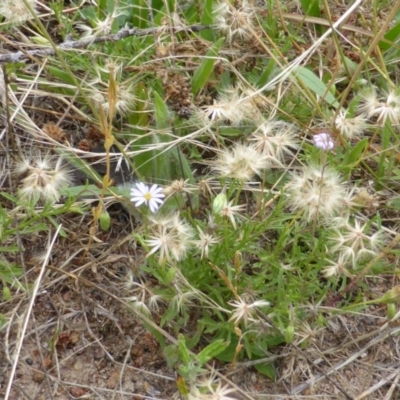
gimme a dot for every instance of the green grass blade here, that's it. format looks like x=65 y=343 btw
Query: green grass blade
x=205 y=69
x=315 y=85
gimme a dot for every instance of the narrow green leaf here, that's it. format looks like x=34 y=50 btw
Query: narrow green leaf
x=162 y=113
x=212 y=350
x=390 y=36
x=187 y=173
x=205 y=69
x=207 y=19
x=353 y=156
x=315 y=85
x=264 y=78
x=9 y=249
x=183 y=351
x=311 y=7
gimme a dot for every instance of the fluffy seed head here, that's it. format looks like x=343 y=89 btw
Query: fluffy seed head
x=241 y=162
x=350 y=127
x=382 y=107
x=276 y=139
x=171 y=237
x=227 y=107
x=244 y=311
x=353 y=240
x=15 y=11
x=43 y=178
x=317 y=191
x=235 y=23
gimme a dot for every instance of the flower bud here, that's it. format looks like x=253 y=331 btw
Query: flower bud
x=289 y=334
x=219 y=203
x=390 y=297
x=105 y=221
x=391 y=311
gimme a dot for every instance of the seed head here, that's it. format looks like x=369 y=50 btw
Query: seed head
x=43 y=178
x=205 y=241
x=317 y=191
x=382 y=107
x=235 y=23
x=171 y=237
x=352 y=240
x=241 y=162
x=244 y=311
x=350 y=127
x=15 y=11
x=276 y=139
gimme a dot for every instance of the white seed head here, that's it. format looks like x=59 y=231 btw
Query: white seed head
x=171 y=237
x=16 y=11
x=235 y=23
x=382 y=107
x=44 y=177
x=317 y=191
x=354 y=240
x=349 y=127
x=241 y=162
x=276 y=139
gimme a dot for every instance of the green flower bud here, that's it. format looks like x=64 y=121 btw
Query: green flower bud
x=7 y=293
x=289 y=334
x=391 y=311
x=392 y=296
x=219 y=203
x=105 y=220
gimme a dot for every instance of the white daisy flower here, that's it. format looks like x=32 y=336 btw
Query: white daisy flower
x=151 y=196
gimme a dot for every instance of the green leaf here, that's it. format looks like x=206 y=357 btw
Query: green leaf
x=264 y=78
x=205 y=69
x=162 y=113
x=183 y=351
x=311 y=7
x=353 y=156
x=212 y=350
x=7 y=293
x=207 y=19
x=266 y=369
x=171 y=355
x=390 y=36
x=315 y=85
x=9 y=249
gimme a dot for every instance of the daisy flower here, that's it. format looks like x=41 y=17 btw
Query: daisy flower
x=151 y=196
